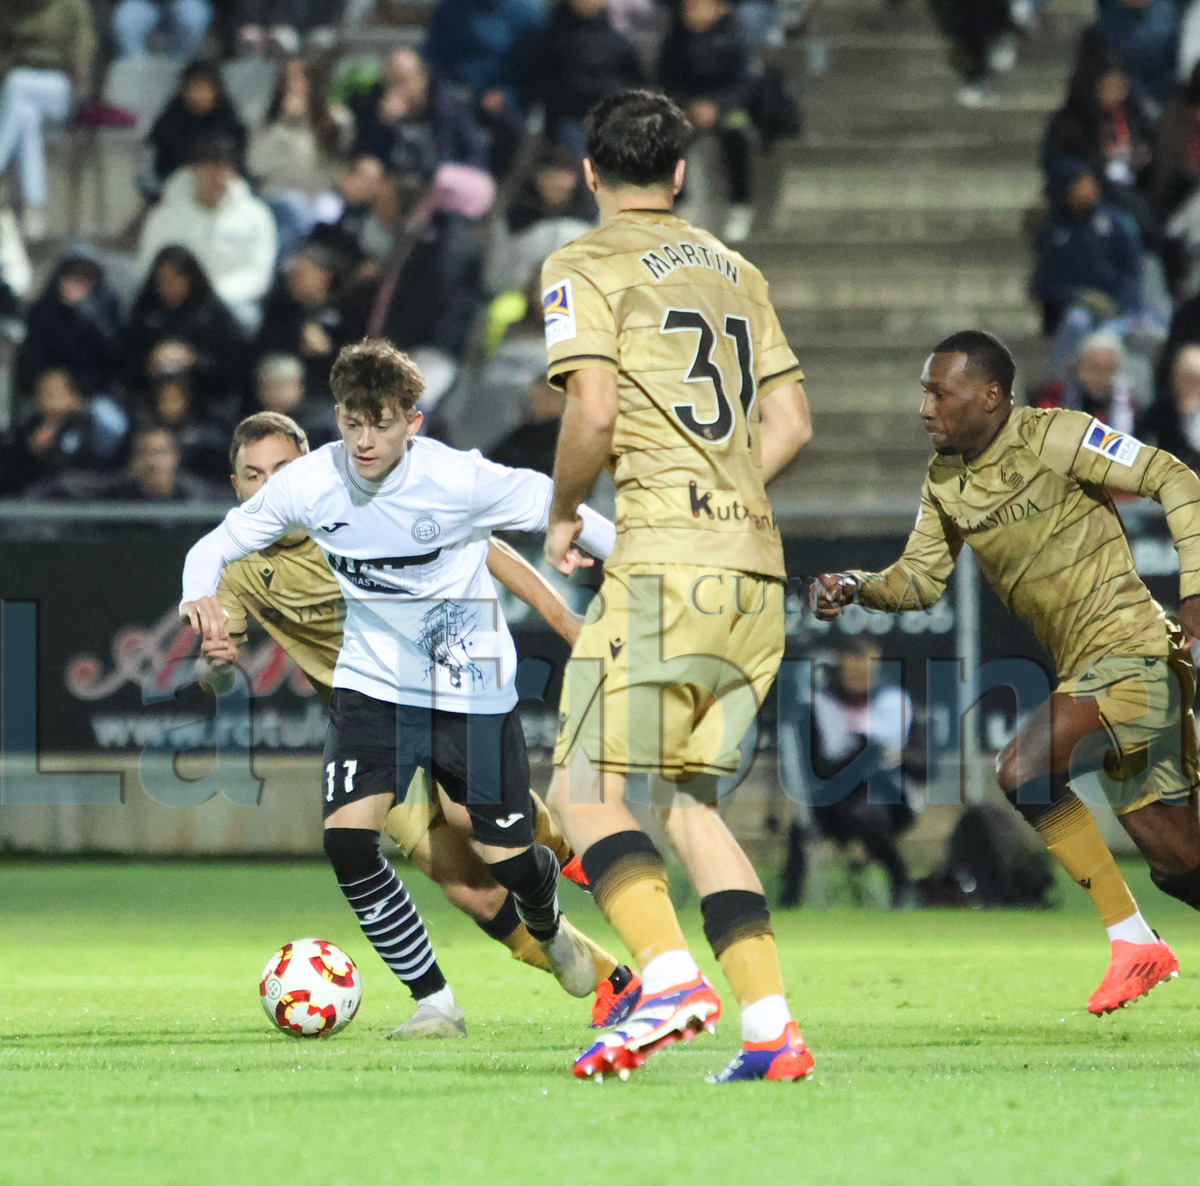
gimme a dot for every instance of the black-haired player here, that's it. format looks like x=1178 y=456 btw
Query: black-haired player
x=1027 y=490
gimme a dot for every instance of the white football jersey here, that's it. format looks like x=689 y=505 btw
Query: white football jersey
x=423 y=625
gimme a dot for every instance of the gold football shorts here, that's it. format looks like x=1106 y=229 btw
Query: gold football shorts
x=670 y=670
x=408 y=822
x=1146 y=706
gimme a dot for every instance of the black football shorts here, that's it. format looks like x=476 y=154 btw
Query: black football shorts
x=374 y=747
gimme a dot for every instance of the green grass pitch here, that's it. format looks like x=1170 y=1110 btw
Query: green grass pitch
x=951 y=1048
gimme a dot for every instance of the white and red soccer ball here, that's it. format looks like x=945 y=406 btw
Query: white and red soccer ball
x=310 y=988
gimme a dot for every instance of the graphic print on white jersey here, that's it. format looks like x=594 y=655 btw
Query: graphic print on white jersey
x=423 y=625
x=446 y=630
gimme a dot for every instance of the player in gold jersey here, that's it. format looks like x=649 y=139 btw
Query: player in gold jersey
x=1029 y=492
x=679 y=378
x=290 y=590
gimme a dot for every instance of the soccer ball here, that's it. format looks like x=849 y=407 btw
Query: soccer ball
x=310 y=988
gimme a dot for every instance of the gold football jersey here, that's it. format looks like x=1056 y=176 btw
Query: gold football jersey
x=688 y=328
x=1035 y=509
x=290 y=590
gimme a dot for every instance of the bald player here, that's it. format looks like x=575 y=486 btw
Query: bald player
x=1029 y=491
x=678 y=377
x=289 y=589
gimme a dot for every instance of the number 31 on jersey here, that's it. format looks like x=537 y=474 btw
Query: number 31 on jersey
x=716 y=430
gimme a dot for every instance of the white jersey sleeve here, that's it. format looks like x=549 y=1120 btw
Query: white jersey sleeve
x=255 y=524
x=506 y=499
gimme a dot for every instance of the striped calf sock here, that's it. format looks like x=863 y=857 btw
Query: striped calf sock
x=386 y=913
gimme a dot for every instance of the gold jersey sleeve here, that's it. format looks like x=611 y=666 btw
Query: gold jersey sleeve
x=291 y=592
x=1035 y=509
x=918 y=578
x=688 y=328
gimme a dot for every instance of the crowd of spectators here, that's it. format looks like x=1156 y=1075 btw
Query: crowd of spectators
x=414 y=194
x=1117 y=255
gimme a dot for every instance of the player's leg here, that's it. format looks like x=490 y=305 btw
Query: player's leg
x=737 y=925
x=629 y=884
x=737 y=919
x=627 y=705
x=445 y=855
x=433 y=833
x=360 y=771
x=1166 y=828
x=587 y=794
x=481 y=764
x=388 y=916
x=1168 y=836
x=1036 y=765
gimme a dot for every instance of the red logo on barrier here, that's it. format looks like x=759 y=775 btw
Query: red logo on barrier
x=143 y=656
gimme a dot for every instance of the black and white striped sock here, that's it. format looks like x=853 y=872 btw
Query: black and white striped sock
x=386 y=913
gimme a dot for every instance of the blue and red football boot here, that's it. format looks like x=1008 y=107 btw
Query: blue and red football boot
x=785 y=1058
x=677 y=1014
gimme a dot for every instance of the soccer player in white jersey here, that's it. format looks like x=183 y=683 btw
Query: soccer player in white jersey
x=425 y=677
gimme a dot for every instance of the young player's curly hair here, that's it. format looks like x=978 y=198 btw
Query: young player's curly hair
x=372 y=375
x=262 y=425
x=636 y=137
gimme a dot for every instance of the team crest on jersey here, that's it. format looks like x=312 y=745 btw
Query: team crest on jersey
x=1116 y=446
x=559 y=312
x=425 y=530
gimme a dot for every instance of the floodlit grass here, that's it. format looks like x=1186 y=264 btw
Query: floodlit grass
x=951 y=1048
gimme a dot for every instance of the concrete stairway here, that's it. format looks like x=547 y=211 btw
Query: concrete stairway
x=894 y=222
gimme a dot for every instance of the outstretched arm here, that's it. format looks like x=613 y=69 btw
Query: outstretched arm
x=522 y=580
x=914 y=582
x=265 y=518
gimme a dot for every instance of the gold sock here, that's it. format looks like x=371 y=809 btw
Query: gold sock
x=546 y=832
x=524 y=947
x=640 y=911
x=751 y=966
x=1071 y=834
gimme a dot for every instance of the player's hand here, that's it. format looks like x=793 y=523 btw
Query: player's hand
x=206 y=617
x=830 y=593
x=219 y=650
x=1189 y=617
x=559 y=553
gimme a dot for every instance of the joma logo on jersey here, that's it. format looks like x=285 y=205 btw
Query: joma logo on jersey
x=735 y=511
x=559 y=313
x=1116 y=446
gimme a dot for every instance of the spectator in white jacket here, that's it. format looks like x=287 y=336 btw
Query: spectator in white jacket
x=207 y=208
